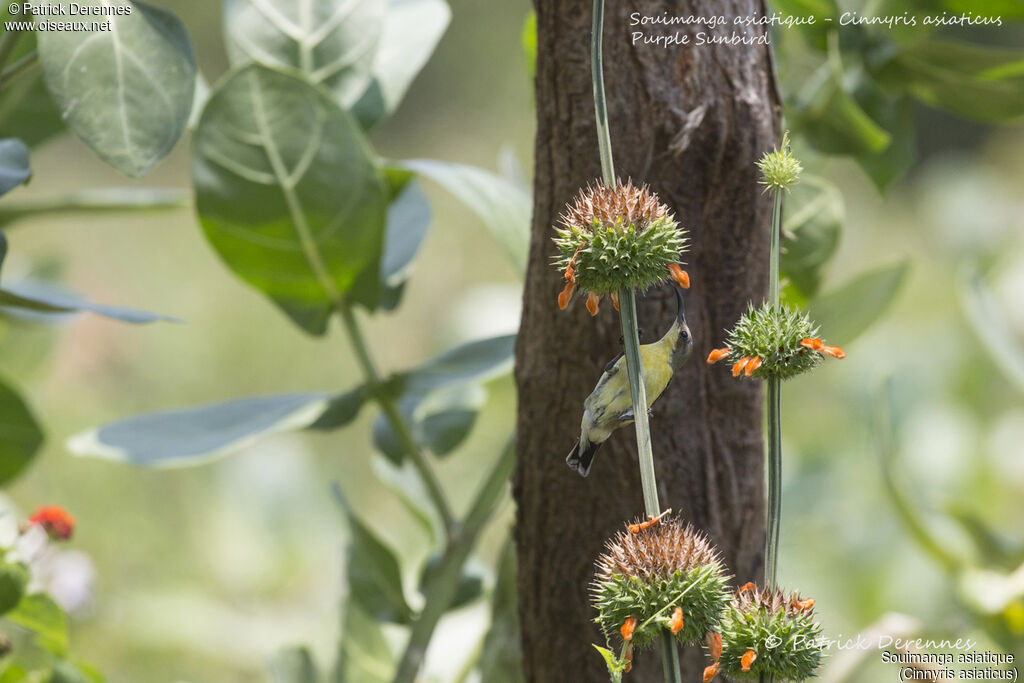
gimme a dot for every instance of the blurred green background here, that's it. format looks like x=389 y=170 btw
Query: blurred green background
x=203 y=573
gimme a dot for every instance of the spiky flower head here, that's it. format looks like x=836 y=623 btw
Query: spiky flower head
x=658 y=579
x=617 y=238
x=769 y=633
x=779 y=168
x=774 y=342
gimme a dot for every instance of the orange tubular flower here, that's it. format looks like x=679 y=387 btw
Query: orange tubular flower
x=805 y=604
x=754 y=364
x=627 y=629
x=679 y=275
x=677 y=620
x=748 y=586
x=593 y=303
x=55 y=520
x=651 y=521
x=629 y=659
x=833 y=351
x=566 y=295
x=615 y=301
x=714 y=641
x=813 y=344
x=738 y=367
x=748 y=658
x=710 y=672
x=717 y=355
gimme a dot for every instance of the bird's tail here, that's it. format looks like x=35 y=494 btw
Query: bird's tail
x=581 y=457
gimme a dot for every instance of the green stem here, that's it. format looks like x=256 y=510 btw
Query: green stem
x=771 y=551
x=670 y=658
x=395 y=418
x=773 y=275
x=774 y=517
x=627 y=318
x=23 y=64
x=8 y=41
x=638 y=393
x=440 y=591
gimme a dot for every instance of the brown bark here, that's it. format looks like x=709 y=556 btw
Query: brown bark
x=691 y=121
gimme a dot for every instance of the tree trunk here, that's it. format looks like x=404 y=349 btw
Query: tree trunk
x=690 y=120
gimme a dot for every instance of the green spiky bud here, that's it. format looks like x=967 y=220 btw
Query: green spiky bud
x=617 y=238
x=766 y=633
x=646 y=574
x=774 y=342
x=779 y=168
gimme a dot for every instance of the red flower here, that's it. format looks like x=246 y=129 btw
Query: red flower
x=677 y=621
x=55 y=520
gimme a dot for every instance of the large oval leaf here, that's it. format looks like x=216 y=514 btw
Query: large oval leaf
x=185 y=437
x=289 y=193
x=20 y=436
x=504 y=208
x=412 y=29
x=333 y=43
x=126 y=92
x=850 y=309
x=810 y=232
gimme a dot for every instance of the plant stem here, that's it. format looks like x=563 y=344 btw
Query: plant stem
x=773 y=275
x=440 y=591
x=774 y=513
x=395 y=418
x=638 y=393
x=8 y=41
x=627 y=318
x=23 y=64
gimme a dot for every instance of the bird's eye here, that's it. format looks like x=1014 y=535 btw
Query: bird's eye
x=684 y=334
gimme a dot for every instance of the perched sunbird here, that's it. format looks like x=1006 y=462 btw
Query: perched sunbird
x=610 y=405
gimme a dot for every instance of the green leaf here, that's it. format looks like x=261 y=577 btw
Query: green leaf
x=289 y=193
x=341 y=409
x=410 y=490
x=14 y=167
x=186 y=437
x=95 y=201
x=615 y=666
x=528 y=38
x=442 y=397
x=469 y=589
x=126 y=92
x=294 y=665
x=333 y=44
x=372 y=571
x=896 y=115
x=412 y=29
x=810 y=232
x=831 y=119
x=504 y=208
x=41 y=615
x=990 y=327
x=27 y=111
x=983 y=83
x=66 y=672
x=14 y=578
x=20 y=435
x=501 y=658
x=47 y=298
x=3 y=248
x=407 y=225
x=363 y=653
x=850 y=309
x=816 y=33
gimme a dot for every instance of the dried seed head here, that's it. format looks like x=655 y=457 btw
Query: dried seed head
x=768 y=342
x=769 y=633
x=649 y=573
x=779 y=168
x=614 y=238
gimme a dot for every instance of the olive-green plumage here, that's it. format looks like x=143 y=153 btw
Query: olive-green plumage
x=610 y=404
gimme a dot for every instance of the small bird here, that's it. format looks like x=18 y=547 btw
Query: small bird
x=610 y=405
